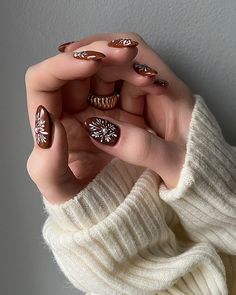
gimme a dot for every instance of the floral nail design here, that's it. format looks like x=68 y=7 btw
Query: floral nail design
x=102 y=130
x=42 y=127
x=161 y=82
x=122 y=42
x=144 y=70
x=94 y=55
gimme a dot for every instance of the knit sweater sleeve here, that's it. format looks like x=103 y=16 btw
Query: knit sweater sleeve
x=117 y=235
x=205 y=197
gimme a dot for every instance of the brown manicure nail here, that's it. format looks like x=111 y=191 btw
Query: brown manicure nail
x=63 y=46
x=161 y=82
x=87 y=55
x=102 y=130
x=43 y=126
x=144 y=70
x=122 y=42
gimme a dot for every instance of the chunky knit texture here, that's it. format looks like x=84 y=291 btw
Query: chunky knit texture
x=127 y=233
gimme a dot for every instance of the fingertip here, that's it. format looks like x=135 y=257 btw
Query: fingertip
x=43 y=128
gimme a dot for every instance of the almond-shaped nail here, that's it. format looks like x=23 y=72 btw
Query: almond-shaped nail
x=63 y=46
x=122 y=42
x=144 y=70
x=102 y=130
x=43 y=127
x=89 y=55
x=161 y=82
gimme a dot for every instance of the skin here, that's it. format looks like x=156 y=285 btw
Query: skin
x=62 y=83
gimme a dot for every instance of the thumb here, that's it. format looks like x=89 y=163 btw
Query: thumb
x=48 y=162
x=133 y=145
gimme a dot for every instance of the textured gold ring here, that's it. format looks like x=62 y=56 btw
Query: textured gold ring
x=103 y=102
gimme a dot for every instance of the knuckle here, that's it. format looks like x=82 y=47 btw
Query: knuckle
x=34 y=72
x=29 y=166
x=35 y=169
x=29 y=74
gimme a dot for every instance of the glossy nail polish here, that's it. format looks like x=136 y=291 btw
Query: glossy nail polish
x=43 y=127
x=122 y=42
x=161 y=82
x=63 y=46
x=102 y=130
x=144 y=70
x=89 y=55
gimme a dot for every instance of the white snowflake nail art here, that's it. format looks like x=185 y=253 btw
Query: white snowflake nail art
x=103 y=131
x=144 y=69
x=87 y=55
x=39 y=129
x=123 y=42
x=81 y=54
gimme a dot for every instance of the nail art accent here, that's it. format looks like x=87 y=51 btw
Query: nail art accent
x=122 y=42
x=43 y=126
x=102 y=130
x=87 y=55
x=161 y=82
x=63 y=46
x=144 y=70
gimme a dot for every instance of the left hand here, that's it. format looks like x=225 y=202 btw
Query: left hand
x=166 y=111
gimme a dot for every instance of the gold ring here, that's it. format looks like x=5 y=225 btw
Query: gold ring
x=103 y=102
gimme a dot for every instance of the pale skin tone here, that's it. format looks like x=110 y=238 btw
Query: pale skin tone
x=61 y=84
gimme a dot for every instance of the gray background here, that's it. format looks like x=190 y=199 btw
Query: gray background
x=197 y=38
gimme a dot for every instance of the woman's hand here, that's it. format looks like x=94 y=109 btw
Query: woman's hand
x=166 y=110
x=61 y=84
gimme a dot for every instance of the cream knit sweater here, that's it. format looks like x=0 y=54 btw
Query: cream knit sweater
x=126 y=233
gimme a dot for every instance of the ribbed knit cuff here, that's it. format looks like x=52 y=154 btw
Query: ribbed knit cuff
x=209 y=158
x=98 y=199
x=205 y=196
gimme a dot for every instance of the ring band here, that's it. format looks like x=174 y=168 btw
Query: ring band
x=103 y=102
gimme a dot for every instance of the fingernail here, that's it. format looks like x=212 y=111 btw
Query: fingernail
x=161 y=82
x=63 y=46
x=102 y=130
x=43 y=127
x=144 y=70
x=87 y=55
x=122 y=42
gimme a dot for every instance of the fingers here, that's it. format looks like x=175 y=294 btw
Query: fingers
x=127 y=73
x=145 y=53
x=132 y=97
x=122 y=68
x=74 y=95
x=136 y=146
x=44 y=80
x=70 y=46
x=125 y=141
x=73 y=98
x=48 y=167
x=105 y=84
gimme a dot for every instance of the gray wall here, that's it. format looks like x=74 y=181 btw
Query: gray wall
x=197 y=38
